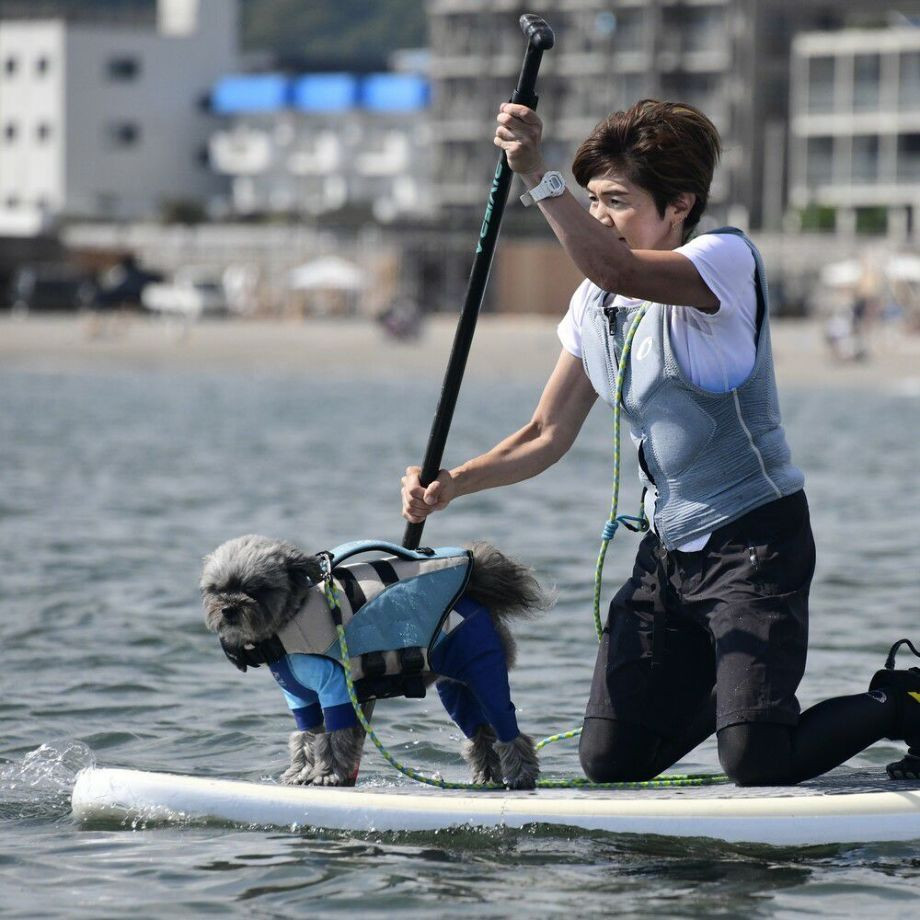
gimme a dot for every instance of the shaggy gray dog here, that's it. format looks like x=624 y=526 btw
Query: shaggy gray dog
x=254 y=586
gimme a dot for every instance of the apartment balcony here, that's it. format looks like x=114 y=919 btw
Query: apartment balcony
x=473 y=64
x=391 y=158
x=848 y=195
x=241 y=152
x=846 y=123
x=468 y=126
x=459 y=194
x=587 y=64
x=321 y=157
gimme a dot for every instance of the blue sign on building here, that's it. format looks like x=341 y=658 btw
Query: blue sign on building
x=394 y=92
x=325 y=92
x=241 y=93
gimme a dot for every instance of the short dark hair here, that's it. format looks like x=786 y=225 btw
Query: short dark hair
x=667 y=148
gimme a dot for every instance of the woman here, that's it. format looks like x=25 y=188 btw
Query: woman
x=710 y=632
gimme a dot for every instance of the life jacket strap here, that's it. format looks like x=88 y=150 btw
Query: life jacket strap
x=346 y=550
x=251 y=656
x=392 y=685
x=412 y=660
x=373 y=664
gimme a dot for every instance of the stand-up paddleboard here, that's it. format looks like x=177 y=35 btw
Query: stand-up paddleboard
x=841 y=808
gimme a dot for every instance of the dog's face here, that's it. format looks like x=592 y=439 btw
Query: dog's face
x=252 y=586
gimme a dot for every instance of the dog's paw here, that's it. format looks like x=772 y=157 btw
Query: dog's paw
x=295 y=777
x=519 y=762
x=289 y=777
x=328 y=779
x=480 y=754
x=300 y=747
x=335 y=758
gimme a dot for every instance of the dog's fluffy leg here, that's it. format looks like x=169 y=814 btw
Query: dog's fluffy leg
x=519 y=764
x=336 y=756
x=479 y=753
x=300 y=747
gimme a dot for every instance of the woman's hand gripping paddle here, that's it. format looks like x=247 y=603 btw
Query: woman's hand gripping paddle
x=540 y=38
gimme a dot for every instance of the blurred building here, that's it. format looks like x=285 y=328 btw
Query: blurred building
x=318 y=143
x=855 y=162
x=728 y=57
x=109 y=119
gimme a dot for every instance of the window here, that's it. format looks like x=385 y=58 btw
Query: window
x=121 y=134
x=704 y=30
x=909 y=157
x=703 y=90
x=821 y=84
x=867 y=77
x=820 y=160
x=10 y=131
x=10 y=66
x=873 y=220
x=43 y=132
x=909 y=83
x=123 y=69
x=633 y=86
x=12 y=202
x=42 y=66
x=629 y=30
x=865 y=158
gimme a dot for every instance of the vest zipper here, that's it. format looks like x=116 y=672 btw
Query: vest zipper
x=611 y=314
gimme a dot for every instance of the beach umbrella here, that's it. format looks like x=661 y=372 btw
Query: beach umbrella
x=330 y=273
x=903 y=268
x=842 y=274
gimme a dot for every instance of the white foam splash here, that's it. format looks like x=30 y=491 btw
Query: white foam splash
x=41 y=783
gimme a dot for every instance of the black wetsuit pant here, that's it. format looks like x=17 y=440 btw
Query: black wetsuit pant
x=715 y=641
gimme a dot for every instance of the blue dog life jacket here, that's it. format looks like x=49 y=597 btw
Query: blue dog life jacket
x=466 y=654
x=404 y=616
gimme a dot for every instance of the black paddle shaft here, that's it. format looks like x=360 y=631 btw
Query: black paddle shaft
x=539 y=39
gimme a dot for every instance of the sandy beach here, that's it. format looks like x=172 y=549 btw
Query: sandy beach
x=521 y=346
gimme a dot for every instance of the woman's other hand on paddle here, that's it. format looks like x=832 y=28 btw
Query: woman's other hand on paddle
x=418 y=502
x=519 y=134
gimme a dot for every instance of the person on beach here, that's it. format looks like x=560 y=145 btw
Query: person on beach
x=710 y=631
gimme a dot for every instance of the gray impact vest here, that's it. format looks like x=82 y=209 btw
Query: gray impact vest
x=712 y=456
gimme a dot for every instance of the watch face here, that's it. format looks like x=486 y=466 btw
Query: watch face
x=556 y=183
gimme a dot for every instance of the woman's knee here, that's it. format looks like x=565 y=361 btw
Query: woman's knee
x=756 y=754
x=614 y=752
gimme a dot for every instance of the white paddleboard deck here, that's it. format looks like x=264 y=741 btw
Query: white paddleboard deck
x=840 y=808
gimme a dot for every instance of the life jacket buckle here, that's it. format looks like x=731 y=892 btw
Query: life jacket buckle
x=373 y=664
x=411 y=660
x=414 y=687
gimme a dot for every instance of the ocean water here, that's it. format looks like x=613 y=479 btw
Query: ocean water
x=114 y=485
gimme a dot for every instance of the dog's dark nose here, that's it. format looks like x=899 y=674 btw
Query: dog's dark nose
x=230 y=614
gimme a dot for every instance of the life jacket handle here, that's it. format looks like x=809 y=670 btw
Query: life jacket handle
x=356 y=547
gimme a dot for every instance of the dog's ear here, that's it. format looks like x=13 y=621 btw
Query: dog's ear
x=303 y=571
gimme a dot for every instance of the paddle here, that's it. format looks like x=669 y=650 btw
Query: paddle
x=540 y=38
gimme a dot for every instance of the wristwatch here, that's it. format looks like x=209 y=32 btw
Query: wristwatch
x=552 y=185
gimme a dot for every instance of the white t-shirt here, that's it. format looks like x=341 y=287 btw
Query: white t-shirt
x=715 y=351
